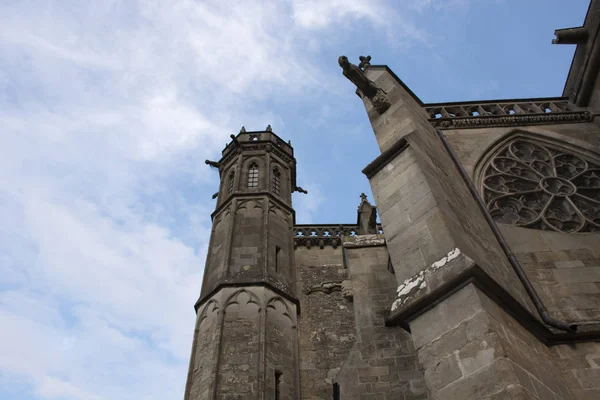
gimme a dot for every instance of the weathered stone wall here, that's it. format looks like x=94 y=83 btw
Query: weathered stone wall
x=203 y=361
x=595 y=96
x=382 y=363
x=454 y=220
x=580 y=365
x=427 y=212
x=244 y=335
x=247 y=258
x=218 y=249
x=409 y=215
x=471 y=349
x=326 y=330
x=239 y=347
x=281 y=343
x=564 y=268
x=280 y=248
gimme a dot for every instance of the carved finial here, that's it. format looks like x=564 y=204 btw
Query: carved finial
x=363 y=197
x=367 y=87
x=269 y=128
x=365 y=62
x=243 y=130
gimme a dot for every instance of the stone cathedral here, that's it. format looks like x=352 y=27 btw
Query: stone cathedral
x=481 y=282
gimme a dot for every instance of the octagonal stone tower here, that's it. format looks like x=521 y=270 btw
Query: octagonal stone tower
x=245 y=341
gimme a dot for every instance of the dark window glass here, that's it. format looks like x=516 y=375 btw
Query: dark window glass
x=336 y=391
x=230 y=184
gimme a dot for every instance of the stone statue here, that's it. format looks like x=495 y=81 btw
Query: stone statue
x=365 y=85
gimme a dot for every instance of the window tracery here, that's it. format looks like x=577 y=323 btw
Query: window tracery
x=276 y=181
x=540 y=186
x=253 y=176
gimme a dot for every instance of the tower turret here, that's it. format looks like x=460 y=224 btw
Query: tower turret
x=245 y=342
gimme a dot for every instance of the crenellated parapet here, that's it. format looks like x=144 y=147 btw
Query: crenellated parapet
x=506 y=113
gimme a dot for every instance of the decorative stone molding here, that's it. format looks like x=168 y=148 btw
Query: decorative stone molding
x=538 y=185
x=308 y=242
x=279 y=148
x=364 y=241
x=506 y=113
x=325 y=287
x=325 y=235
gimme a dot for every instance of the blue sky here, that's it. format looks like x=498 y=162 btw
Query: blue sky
x=108 y=110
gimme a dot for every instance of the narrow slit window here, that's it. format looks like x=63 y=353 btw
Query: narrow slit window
x=277 y=251
x=278 y=385
x=253 y=176
x=336 y=391
x=276 y=181
x=230 y=183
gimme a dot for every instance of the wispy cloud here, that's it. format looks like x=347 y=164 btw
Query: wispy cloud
x=107 y=111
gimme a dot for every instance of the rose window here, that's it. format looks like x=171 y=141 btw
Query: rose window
x=534 y=185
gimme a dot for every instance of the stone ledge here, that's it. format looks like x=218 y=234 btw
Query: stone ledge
x=364 y=241
x=512 y=120
x=420 y=298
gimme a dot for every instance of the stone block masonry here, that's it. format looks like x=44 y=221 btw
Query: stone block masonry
x=471 y=349
x=383 y=362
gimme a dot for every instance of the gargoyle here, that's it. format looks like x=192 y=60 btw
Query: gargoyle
x=367 y=87
x=214 y=164
x=299 y=189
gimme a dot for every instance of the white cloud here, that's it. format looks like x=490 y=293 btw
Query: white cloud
x=315 y=14
x=108 y=110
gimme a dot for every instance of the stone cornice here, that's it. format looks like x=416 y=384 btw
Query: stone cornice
x=512 y=120
x=360 y=241
x=279 y=148
x=385 y=157
x=241 y=195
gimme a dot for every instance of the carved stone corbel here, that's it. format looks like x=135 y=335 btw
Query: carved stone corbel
x=325 y=287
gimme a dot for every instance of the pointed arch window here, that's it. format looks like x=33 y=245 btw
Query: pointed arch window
x=276 y=181
x=253 y=176
x=230 y=182
x=538 y=185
